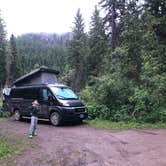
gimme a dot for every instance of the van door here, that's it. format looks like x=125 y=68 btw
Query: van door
x=44 y=103
x=29 y=95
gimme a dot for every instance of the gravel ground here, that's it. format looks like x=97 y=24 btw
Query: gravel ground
x=77 y=145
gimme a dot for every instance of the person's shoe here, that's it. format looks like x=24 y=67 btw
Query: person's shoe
x=30 y=136
x=35 y=134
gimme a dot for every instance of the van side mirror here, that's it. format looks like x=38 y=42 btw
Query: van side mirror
x=50 y=100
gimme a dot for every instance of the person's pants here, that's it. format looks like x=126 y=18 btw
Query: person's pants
x=32 y=129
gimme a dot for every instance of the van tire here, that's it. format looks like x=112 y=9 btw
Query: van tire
x=17 y=115
x=55 y=118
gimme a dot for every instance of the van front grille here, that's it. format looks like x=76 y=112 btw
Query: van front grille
x=80 y=110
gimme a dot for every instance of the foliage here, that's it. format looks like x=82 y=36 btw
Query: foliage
x=10 y=147
x=77 y=53
x=2 y=53
x=123 y=125
x=98 y=111
x=112 y=97
x=113 y=10
x=4 y=114
x=35 y=50
x=6 y=148
x=98 y=45
x=119 y=66
x=14 y=64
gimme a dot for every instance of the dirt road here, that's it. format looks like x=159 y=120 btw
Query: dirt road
x=81 y=146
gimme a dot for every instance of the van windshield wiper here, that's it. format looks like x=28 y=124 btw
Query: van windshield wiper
x=61 y=97
x=72 y=98
x=67 y=98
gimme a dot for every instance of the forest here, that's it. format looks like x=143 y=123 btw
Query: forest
x=118 y=67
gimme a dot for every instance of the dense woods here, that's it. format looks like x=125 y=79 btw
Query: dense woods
x=118 y=67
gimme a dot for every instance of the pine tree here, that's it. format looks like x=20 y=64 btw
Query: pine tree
x=78 y=53
x=97 y=44
x=14 y=69
x=2 y=53
x=131 y=42
x=157 y=8
x=154 y=52
x=114 y=9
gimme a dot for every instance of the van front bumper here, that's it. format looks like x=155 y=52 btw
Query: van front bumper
x=74 y=113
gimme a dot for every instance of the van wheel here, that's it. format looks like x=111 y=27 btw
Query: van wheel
x=17 y=115
x=55 y=118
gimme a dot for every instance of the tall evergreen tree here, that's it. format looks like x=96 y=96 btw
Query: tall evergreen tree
x=97 y=44
x=114 y=9
x=2 y=53
x=14 y=69
x=78 y=53
x=35 y=50
x=154 y=52
x=131 y=41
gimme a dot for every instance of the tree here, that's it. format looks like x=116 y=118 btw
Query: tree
x=35 y=50
x=2 y=53
x=97 y=45
x=154 y=53
x=78 y=53
x=132 y=41
x=114 y=9
x=157 y=8
x=14 y=69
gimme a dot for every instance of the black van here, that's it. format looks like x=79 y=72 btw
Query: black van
x=58 y=103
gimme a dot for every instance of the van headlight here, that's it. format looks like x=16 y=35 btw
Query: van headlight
x=66 y=104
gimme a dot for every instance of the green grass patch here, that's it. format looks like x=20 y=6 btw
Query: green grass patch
x=6 y=148
x=9 y=147
x=0 y=102
x=105 y=124
x=2 y=119
x=12 y=146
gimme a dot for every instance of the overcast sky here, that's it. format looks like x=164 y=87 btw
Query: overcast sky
x=52 y=16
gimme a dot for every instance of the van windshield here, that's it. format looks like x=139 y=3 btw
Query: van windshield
x=64 y=93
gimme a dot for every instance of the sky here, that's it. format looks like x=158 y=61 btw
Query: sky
x=50 y=16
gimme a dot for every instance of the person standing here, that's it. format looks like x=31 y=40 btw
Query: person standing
x=5 y=96
x=34 y=118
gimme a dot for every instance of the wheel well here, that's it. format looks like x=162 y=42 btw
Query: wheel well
x=15 y=109
x=53 y=111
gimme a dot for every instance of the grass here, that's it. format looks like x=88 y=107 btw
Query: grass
x=3 y=114
x=0 y=102
x=105 y=124
x=10 y=147
x=7 y=148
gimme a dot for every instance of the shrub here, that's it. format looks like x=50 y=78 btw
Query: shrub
x=98 y=111
x=4 y=113
x=119 y=99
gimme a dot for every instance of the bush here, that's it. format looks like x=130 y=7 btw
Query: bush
x=119 y=99
x=4 y=113
x=109 y=98
x=98 y=111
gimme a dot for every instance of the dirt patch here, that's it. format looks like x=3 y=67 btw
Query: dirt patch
x=81 y=146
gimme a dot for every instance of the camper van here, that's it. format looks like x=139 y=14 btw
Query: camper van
x=58 y=102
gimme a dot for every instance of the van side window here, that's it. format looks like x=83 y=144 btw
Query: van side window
x=45 y=94
x=25 y=93
x=31 y=93
x=16 y=93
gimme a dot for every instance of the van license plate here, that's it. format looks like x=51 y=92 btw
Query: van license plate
x=81 y=115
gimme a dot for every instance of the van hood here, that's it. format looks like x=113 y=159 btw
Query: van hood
x=72 y=103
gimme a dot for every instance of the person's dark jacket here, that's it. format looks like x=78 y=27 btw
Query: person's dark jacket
x=34 y=111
